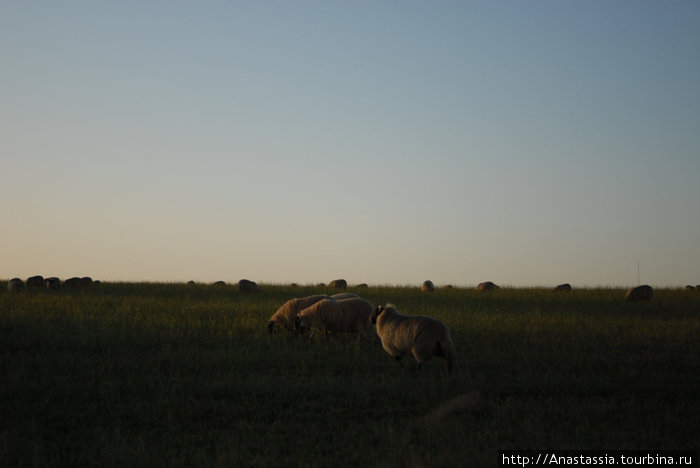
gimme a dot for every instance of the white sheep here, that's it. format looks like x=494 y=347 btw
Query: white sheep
x=338 y=284
x=422 y=337
x=247 y=286
x=344 y=316
x=285 y=315
x=487 y=286
x=15 y=285
x=341 y=296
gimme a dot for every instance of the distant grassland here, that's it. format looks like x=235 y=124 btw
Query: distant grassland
x=150 y=374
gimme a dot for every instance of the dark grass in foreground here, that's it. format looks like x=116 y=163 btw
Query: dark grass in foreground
x=176 y=375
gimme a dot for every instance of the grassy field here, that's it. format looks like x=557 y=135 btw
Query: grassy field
x=149 y=374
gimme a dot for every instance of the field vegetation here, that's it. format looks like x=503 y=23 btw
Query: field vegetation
x=159 y=374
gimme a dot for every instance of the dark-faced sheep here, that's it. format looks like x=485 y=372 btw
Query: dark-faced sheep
x=420 y=336
x=330 y=317
x=427 y=286
x=487 y=286
x=640 y=293
x=16 y=285
x=285 y=316
x=566 y=287
x=338 y=284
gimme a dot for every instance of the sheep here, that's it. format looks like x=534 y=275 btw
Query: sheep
x=219 y=283
x=247 y=286
x=690 y=287
x=427 y=286
x=34 y=282
x=73 y=282
x=285 y=315
x=52 y=283
x=566 y=287
x=16 y=285
x=338 y=284
x=86 y=281
x=422 y=337
x=330 y=316
x=487 y=286
x=640 y=293
x=341 y=296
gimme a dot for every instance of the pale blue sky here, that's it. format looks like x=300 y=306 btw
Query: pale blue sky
x=527 y=143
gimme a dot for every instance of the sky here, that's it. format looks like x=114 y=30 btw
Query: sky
x=384 y=142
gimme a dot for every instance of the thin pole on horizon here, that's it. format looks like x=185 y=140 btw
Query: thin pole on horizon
x=637 y=272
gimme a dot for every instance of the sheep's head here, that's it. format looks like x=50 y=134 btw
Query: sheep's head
x=376 y=313
x=271 y=328
x=299 y=325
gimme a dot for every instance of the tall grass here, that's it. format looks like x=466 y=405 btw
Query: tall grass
x=155 y=374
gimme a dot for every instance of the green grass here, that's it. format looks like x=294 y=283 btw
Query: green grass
x=150 y=374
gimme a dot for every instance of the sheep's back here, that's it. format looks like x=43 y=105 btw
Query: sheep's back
x=347 y=315
x=286 y=314
x=400 y=333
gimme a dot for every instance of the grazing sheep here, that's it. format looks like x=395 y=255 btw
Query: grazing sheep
x=191 y=283
x=640 y=293
x=247 y=286
x=15 y=285
x=330 y=316
x=427 y=286
x=34 y=282
x=422 y=337
x=86 y=281
x=362 y=286
x=219 y=283
x=52 y=283
x=487 y=286
x=285 y=316
x=73 y=282
x=338 y=284
x=690 y=288
x=341 y=296
x=566 y=287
